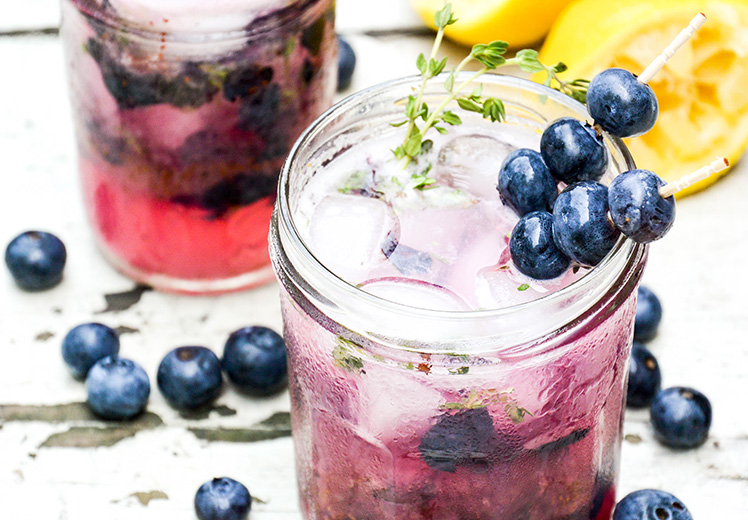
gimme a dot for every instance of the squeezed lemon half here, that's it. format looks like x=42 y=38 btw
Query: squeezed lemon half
x=702 y=91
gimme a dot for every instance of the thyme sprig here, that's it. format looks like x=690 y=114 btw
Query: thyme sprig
x=490 y=56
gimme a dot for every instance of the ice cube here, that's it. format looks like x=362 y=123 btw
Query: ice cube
x=347 y=233
x=415 y=293
x=471 y=163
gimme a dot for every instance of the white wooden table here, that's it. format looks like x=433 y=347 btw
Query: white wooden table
x=56 y=462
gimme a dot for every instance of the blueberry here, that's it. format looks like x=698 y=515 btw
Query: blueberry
x=36 y=260
x=192 y=87
x=573 y=151
x=648 y=314
x=620 y=104
x=246 y=81
x=254 y=359
x=644 y=377
x=346 y=64
x=681 y=417
x=190 y=377
x=581 y=227
x=533 y=249
x=650 y=504
x=465 y=438
x=525 y=184
x=407 y=260
x=85 y=344
x=117 y=388
x=222 y=499
x=637 y=207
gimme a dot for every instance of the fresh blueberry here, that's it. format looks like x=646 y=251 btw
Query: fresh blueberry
x=650 y=504
x=117 y=388
x=254 y=359
x=620 y=104
x=581 y=226
x=85 y=344
x=525 y=184
x=648 y=314
x=533 y=249
x=222 y=499
x=644 y=377
x=36 y=260
x=573 y=151
x=466 y=438
x=190 y=377
x=637 y=207
x=346 y=64
x=681 y=417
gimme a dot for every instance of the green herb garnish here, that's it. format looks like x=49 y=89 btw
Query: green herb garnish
x=523 y=287
x=344 y=358
x=491 y=397
x=490 y=56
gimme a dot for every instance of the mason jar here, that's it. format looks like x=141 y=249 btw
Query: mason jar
x=184 y=113
x=406 y=412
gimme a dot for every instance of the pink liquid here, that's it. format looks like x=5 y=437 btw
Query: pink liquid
x=500 y=434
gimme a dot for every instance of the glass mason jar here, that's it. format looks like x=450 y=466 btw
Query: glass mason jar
x=402 y=412
x=184 y=113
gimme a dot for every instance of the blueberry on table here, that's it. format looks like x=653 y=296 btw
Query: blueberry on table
x=190 y=377
x=573 y=151
x=622 y=105
x=650 y=504
x=346 y=64
x=637 y=208
x=36 y=260
x=681 y=417
x=117 y=388
x=525 y=184
x=648 y=314
x=254 y=359
x=222 y=499
x=581 y=227
x=533 y=249
x=85 y=344
x=466 y=438
x=644 y=377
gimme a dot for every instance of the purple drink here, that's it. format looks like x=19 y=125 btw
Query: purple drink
x=184 y=113
x=430 y=379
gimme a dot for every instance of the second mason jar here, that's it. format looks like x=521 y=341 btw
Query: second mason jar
x=184 y=113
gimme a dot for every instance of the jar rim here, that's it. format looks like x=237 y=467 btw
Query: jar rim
x=272 y=20
x=625 y=255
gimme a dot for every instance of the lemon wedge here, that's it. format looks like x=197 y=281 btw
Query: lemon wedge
x=701 y=91
x=518 y=22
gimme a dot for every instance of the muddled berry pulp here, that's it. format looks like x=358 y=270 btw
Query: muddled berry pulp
x=181 y=139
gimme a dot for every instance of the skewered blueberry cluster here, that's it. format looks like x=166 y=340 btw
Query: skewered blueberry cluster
x=583 y=222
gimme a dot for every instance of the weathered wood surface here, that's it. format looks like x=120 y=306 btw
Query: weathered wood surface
x=58 y=462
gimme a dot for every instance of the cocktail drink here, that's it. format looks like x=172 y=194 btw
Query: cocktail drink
x=184 y=112
x=429 y=378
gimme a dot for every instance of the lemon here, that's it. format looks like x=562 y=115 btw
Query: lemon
x=701 y=91
x=518 y=22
